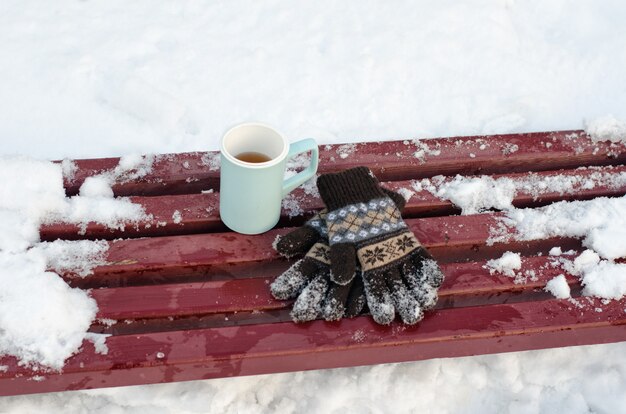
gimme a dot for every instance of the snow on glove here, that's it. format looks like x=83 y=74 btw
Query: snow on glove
x=309 y=278
x=365 y=226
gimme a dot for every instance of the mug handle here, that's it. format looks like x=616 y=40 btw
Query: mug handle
x=296 y=148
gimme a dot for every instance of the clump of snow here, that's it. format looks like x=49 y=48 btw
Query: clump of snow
x=477 y=194
x=96 y=203
x=107 y=321
x=406 y=193
x=586 y=261
x=600 y=222
x=97 y=186
x=177 y=217
x=555 y=251
x=129 y=168
x=132 y=167
x=76 y=257
x=606 y=280
x=507 y=264
x=558 y=287
x=99 y=342
x=597 y=222
x=42 y=320
x=606 y=128
x=601 y=278
x=608 y=240
x=114 y=213
x=30 y=188
x=69 y=168
x=474 y=195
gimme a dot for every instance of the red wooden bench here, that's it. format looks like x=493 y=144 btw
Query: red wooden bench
x=191 y=299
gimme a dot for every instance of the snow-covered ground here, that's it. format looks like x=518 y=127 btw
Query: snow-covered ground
x=104 y=78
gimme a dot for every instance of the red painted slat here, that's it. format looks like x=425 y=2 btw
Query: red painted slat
x=184 y=299
x=283 y=347
x=390 y=160
x=200 y=212
x=455 y=238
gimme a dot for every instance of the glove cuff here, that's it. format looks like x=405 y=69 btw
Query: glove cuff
x=356 y=185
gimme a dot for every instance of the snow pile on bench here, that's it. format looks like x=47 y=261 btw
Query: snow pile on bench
x=478 y=194
x=558 y=287
x=600 y=223
x=43 y=321
x=506 y=265
x=606 y=128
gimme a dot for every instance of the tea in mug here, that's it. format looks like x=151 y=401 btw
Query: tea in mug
x=253 y=157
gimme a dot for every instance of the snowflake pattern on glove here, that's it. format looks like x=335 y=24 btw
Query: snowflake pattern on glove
x=320 y=252
x=387 y=251
x=372 y=256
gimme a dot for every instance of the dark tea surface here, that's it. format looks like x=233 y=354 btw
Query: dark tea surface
x=254 y=157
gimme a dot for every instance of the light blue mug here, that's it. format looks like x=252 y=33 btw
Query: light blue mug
x=251 y=193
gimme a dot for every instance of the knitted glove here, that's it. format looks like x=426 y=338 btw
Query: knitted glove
x=309 y=278
x=365 y=226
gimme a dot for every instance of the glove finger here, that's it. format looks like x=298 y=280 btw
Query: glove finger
x=411 y=271
x=378 y=298
x=433 y=273
x=291 y=282
x=335 y=303
x=356 y=299
x=308 y=305
x=406 y=304
x=418 y=284
x=342 y=263
x=428 y=297
x=429 y=268
x=296 y=242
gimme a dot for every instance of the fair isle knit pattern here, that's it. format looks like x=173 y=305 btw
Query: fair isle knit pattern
x=318 y=222
x=320 y=252
x=387 y=251
x=359 y=222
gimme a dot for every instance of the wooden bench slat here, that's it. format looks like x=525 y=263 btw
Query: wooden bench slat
x=184 y=299
x=283 y=347
x=449 y=239
x=390 y=160
x=181 y=323
x=200 y=212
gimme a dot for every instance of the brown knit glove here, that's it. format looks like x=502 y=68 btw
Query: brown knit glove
x=308 y=279
x=365 y=227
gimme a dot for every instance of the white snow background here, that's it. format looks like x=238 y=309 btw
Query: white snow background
x=108 y=78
